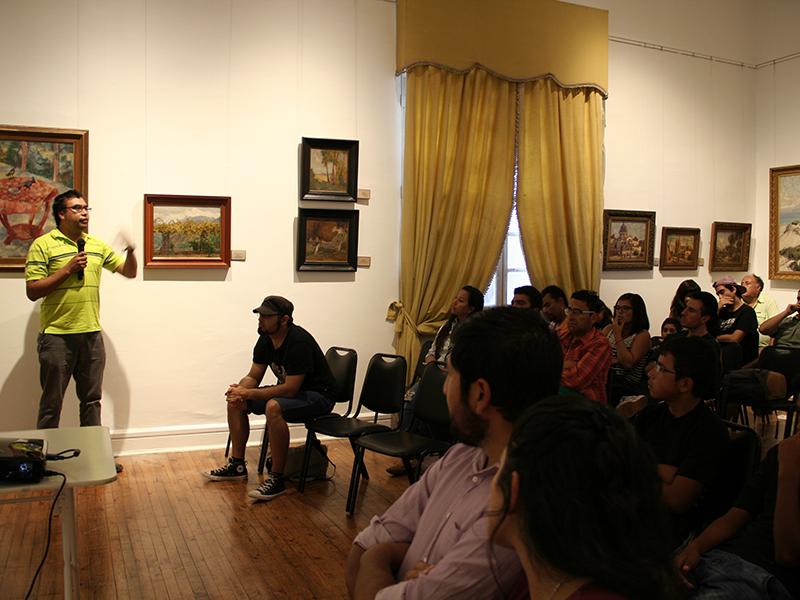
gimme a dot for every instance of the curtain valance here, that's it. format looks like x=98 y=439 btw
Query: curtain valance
x=518 y=40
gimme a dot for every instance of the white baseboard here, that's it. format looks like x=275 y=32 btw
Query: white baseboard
x=184 y=438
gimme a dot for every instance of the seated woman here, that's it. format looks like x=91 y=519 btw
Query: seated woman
x=630 y=346
x=679 y=300
x=578 y=497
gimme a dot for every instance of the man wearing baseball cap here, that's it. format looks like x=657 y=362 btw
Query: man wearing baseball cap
x=305 y=389
x=737 y=320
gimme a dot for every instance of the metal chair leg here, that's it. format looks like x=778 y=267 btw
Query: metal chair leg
x=410 y=471
x=361 y=466
x=228 y=446
x=354 y=474
x=310 y=438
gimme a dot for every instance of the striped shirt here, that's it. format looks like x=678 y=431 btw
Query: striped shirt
x=74 y=306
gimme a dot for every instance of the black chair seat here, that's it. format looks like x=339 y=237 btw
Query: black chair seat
x=401 y=443
x=345 y=427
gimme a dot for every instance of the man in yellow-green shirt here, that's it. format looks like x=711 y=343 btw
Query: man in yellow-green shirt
x=64 y=267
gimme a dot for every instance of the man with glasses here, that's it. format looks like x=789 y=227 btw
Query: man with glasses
x=64 y=267
x=688 y=440
x=587 y=353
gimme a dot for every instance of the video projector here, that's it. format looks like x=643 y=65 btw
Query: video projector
x=22 y=460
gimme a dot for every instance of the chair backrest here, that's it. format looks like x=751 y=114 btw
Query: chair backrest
x=342 y=362
x=384 y=384
x=737 y=465
x=430 y=406
x=420 y=367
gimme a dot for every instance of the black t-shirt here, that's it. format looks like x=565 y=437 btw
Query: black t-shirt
x=694 y=443
x=299 y=354
x=755 y=543
x=743 y=319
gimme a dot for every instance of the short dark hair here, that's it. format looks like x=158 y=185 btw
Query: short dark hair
x=686 y=287
x=670 y=321
x=591 y=298
x=561 y=447
x=555 y=292
x=60 y=203
x=640 y=321
x=759 y=281
x=532 y=293
x=710 y=308
x=515 y=351
x=695 y=359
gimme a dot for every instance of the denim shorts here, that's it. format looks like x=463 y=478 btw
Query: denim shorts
x=305 y=405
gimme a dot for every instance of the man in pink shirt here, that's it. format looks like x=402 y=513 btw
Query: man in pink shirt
x=587 y=353
x=433 y=542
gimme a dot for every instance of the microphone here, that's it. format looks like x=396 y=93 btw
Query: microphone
x=81 y=245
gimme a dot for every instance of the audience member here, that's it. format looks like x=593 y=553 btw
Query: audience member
x=756 y=298
x=686 y=287
x=605 y=317
x=587 y=353
x=700 y=317
x=527 y=296
x=784 y=327
x=554 y=305
x=467 y=302
x=571 y=545
x=670 y=326
x=687 y=438
x=737 y=321
x=305 y=389
x=629 y=338
x=753 y=550
x=433 y=542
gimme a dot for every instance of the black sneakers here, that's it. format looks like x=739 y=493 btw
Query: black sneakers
x=271 y=488
x=229 y=472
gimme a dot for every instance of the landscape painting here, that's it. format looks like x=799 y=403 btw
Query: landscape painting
x=327 y=240
x=680 y=248
x=187 y=231
x=628 y=239
x=329 y=169
x=36 y=164
x=784 y=232
x=730 y=246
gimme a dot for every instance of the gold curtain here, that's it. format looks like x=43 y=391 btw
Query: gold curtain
x=457 y=193
x=560 y=194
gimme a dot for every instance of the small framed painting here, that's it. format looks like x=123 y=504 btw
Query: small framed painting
x=784 y=222
x=730 y=246
x=187 y=232
x=628 y=239
x=36 y=164
x=329 y=170
x=327 y=240
x=680 y=249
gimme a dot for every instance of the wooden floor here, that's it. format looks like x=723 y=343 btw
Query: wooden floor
x=162 y=531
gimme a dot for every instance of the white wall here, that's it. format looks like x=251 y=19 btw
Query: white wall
x=207 y=97
x=692 y=139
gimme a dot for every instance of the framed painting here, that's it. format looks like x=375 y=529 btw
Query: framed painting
x=327 y=240
x=680 y=249
x=784 y=222
x=329 y=170
x=628 y=239
x=730 y=246
x=187 y=232
x=36 y=164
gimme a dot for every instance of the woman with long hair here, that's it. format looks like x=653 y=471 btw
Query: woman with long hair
x=629 y=336
x=679 y=300
x=578 y=497
x=468 y=300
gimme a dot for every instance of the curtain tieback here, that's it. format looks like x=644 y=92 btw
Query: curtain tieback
x=397 y=314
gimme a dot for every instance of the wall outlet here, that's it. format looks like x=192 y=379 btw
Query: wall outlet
x=238 y=254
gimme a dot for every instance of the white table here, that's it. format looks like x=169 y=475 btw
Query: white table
x=95 y=466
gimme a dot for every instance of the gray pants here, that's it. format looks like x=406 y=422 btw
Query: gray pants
x=78 y=355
